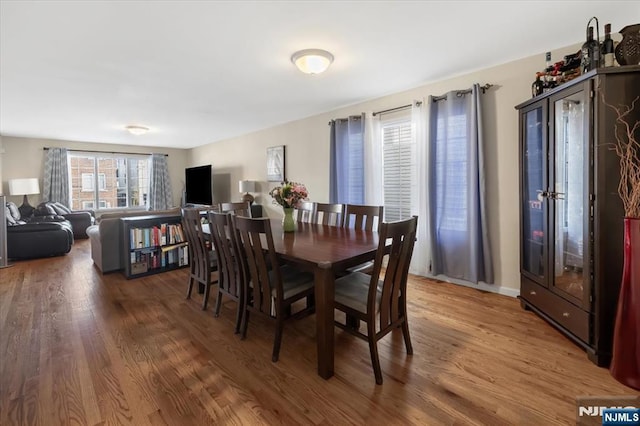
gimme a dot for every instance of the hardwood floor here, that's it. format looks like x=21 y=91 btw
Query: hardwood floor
x=77 y=347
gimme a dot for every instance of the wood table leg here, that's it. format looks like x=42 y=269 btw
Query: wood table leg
x=324 y=282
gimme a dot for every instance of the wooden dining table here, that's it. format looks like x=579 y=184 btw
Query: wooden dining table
x=324 y=250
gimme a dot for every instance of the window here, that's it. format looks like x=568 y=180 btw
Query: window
x=122 y=180
x=398 y=168
x=451 y=173
x=88 y=182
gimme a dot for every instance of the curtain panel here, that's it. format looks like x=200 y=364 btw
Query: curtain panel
x=160 y=196
x=56 y=176
x=456 y=180
x=346 y=162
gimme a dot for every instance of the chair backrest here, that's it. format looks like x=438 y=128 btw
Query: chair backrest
x=329 y=214
x=230 y=277
x=403 y=236
x=242 y=208
x=199 y=249
x=260 y=262
x=367 y=218
x=305 y=212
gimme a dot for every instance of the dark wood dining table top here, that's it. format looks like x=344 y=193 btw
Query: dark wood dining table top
x=323 y=245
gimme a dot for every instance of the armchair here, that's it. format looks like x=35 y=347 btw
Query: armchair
x=80 y=219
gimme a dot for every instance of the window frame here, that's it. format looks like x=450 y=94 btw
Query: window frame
x=101 y=181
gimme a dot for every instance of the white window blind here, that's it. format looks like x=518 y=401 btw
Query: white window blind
x=399 y=169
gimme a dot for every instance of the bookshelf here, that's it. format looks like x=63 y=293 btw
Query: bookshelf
x=153 y=244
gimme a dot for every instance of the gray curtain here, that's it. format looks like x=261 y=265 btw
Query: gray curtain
x=458 y=226
x=56 y=176
x=346 y=162
x=160 y=196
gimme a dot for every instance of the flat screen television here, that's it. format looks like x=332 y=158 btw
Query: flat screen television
x=198 y=185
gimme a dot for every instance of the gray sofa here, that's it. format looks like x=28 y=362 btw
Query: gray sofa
x=106 y=237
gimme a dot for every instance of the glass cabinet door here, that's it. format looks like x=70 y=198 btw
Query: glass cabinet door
x=534 y=191
x=568 y=197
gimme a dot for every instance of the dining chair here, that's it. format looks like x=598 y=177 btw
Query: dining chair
x=270 y=289
x=305 y=212
x=202 y=262
x=241 y=208
x=366 y=218
x=384 y=301
x=230 y=277
x=329 y=214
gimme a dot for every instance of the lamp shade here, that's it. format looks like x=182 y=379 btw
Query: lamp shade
x=24 y=186
x=312 y=61
x=247 y=186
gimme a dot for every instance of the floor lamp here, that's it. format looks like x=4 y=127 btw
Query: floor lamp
x=4 y=261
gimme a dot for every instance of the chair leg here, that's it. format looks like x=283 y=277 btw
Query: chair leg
x=238 y=317
x=216 y=312
x=245 y=324
x=205 y=296
x=407 y=338
x=278 y=339
x=189 y=288
x=352 y=322
x=373 y=349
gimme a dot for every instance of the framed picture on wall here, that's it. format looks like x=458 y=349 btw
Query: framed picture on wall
x=275 y=164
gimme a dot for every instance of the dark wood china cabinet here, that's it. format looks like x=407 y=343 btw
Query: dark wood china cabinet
x=571 y=217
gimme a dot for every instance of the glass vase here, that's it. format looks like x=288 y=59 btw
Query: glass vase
x=625 y=362
x=288 y=224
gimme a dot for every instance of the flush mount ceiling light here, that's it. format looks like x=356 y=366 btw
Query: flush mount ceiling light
x=137 y=130
x=312 y=61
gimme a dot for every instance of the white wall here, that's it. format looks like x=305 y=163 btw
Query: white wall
x=307 y=153
x=24 y=158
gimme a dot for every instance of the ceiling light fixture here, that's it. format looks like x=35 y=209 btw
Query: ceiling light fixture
x=312 y=61
x=137 y=130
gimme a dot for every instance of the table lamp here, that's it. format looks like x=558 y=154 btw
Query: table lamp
x=247 y=186
x=24 y=187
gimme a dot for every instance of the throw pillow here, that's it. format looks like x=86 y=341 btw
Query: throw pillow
x=45 y=209
x=13 y=211
x=60 y=208
x=10 y=220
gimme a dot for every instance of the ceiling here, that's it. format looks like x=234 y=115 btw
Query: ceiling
x=197 y=72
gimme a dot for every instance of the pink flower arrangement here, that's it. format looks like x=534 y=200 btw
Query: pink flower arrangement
x=289 y=194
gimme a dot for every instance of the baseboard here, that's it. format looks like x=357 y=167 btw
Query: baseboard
x=491 y=288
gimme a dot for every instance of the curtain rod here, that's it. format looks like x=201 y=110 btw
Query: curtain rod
x=46 y=148
x=462 y=92
x=396 y=108
x=437 y=98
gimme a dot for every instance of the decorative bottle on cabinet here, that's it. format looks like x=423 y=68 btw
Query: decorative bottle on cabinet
x=607 y=47
x=590 y=52
x=571 y=217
